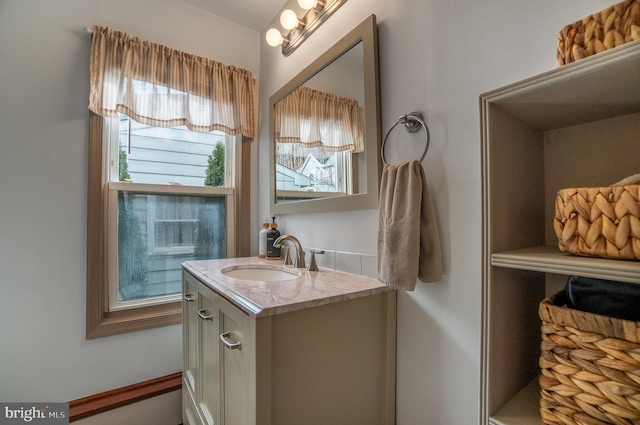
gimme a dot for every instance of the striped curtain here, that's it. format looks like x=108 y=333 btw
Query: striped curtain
x=313 y=118
x=162 y=87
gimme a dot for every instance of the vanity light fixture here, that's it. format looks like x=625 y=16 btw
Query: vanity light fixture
x=299 y=29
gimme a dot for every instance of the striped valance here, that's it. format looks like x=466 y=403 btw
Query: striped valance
x=162 y=87
x=314 y=118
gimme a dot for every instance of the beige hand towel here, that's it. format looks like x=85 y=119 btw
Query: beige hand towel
x=408 y=240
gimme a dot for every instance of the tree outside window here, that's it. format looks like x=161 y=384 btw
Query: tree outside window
x=215 y=168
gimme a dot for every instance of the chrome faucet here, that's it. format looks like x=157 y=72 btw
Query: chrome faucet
x=298 y=262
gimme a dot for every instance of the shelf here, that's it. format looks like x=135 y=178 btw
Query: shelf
x=551 y=260
x=558 y=98
x=574 y=126
x=522 y=409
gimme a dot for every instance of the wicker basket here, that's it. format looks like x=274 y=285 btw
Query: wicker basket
x=609 y=28
x=599 y=221
x=590 y=367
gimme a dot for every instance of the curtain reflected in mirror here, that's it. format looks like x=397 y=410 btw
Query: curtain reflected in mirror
x=316 y=135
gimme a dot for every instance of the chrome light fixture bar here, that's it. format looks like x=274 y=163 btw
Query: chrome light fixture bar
x=319 y=12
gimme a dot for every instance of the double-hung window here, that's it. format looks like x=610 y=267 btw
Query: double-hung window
x=170 y=197
x=159 y=193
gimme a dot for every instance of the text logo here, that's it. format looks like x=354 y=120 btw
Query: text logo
x=34 y=413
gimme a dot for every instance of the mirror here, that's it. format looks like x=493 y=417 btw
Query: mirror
x=325 y=130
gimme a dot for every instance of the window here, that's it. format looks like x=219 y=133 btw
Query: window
x=168 y=196
x=160 y=194
x=152 y=232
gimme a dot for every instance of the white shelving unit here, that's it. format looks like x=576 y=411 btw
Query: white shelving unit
x=575 y=126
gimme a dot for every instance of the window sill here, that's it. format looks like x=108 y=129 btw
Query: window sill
x=130 y=320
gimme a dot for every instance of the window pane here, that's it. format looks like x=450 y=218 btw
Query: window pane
x=173 y=155
x=156 y=233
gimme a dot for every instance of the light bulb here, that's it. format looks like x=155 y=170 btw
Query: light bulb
x=274 y=38
x=307 y=4
x=288 y=19
x=311 y=4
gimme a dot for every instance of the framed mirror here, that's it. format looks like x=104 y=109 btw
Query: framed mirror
x=325 y=130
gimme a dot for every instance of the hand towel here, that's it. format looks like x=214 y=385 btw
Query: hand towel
x=408 y=239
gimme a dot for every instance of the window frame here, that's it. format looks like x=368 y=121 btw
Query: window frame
x=100 y=319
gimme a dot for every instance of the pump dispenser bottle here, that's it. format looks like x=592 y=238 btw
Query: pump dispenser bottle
x=272 y=235
x=262 y=238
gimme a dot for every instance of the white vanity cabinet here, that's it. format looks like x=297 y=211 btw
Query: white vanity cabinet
x=329 y=362
x=218 y=349
x=576 y=126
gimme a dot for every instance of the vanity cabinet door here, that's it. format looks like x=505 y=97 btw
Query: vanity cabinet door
x=190 y=414
x=190 y=375
x=208 y=394
x=235 y=357
x=189 y=332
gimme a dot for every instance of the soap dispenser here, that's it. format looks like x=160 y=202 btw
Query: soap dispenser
x=272 y=235
x=262 y=238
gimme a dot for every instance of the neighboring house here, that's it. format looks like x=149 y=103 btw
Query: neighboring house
x=322 y=169
x=316 y=174
x=288 y=179
x=147 y=151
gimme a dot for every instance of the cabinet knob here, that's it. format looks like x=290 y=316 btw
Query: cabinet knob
x=189 y=297
x=202 y=314
x=230 y=345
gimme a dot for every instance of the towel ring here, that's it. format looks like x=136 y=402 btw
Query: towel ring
x=412 y=123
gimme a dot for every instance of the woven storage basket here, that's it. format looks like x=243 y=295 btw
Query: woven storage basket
x=609 y=28
x=599 y=221
x=590 y=367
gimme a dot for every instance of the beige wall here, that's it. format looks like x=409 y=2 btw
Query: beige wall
x=436 y=57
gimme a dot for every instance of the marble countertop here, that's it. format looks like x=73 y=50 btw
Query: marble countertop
x=264 y=298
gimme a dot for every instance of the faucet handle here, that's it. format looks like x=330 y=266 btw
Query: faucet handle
x=313 y=267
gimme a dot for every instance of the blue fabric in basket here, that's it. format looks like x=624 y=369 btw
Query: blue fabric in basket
x=620 y=300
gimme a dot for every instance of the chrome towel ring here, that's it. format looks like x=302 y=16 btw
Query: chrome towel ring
x=412 y=123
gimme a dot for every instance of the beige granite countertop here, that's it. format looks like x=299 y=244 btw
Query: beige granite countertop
x=263 y=298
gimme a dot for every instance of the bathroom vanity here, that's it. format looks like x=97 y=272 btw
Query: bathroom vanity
x=267 y=344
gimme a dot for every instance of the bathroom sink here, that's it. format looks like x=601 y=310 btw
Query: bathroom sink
x=258 y=272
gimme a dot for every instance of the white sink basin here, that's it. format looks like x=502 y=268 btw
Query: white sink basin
x=260 y=273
